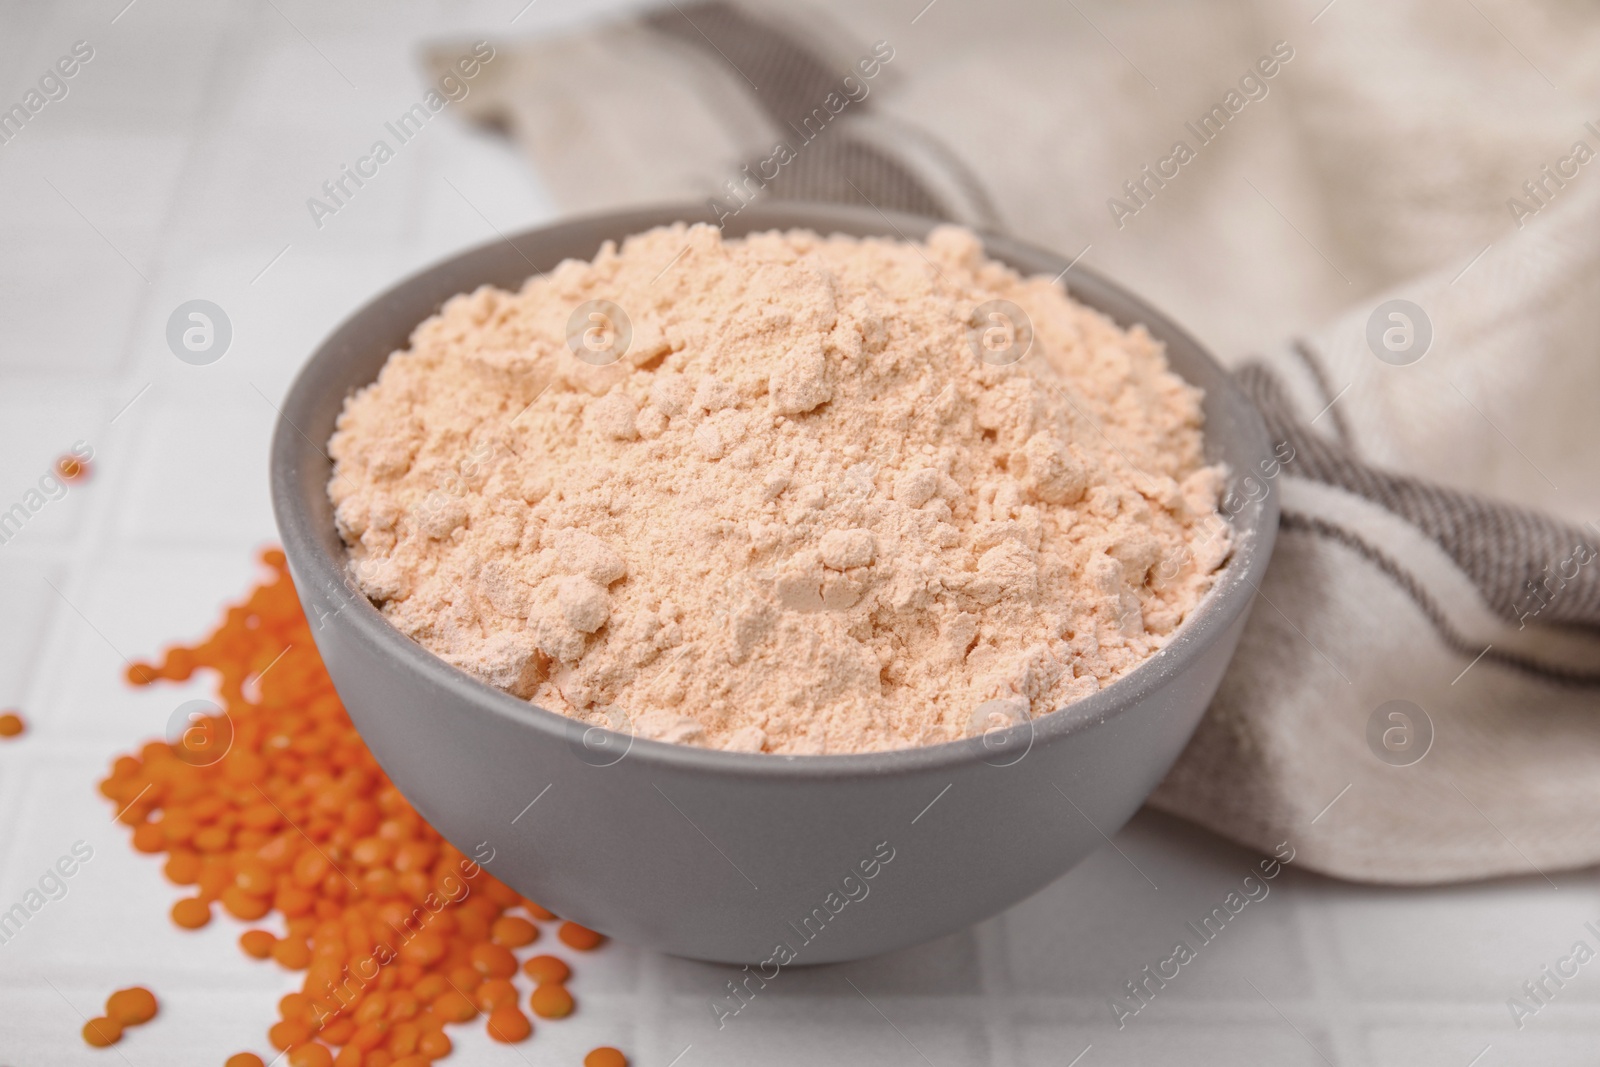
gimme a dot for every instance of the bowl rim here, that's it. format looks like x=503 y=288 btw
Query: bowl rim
x=1254 y=525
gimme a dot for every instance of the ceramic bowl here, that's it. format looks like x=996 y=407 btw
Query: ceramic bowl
x=734 y=857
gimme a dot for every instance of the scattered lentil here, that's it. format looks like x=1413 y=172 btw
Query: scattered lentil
x=551 y=1001
x=297 y=818
x=496 y=993
x=508 y=1024
x=132 y=1006
x=513 y=932
x=579 y=937
x=102 y=1032
x=544 y=969
x=70 y=468
x=257 y=943
x=190 y=912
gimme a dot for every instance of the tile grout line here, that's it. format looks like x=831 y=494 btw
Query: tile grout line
x=199 y=133
x=650 y=1006
x=1335 y=1010
x=993 y=980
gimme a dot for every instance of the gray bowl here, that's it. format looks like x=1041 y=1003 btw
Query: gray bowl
x=728 y=856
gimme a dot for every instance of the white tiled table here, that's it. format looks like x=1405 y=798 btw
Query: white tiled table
x=178 y=167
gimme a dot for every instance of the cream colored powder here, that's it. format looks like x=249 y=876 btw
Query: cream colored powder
x=799 y=515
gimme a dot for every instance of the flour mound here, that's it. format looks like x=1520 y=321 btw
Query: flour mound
x=799 y=514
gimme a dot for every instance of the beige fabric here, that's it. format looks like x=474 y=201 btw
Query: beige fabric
x=1379 y=165
x=671 y=148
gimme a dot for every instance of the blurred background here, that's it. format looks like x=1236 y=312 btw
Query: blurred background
x=201 y=152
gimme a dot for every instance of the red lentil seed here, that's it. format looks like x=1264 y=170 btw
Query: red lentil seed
x=133 y=1006
x=102 y=1032
x=257 y=943
x=72 y=469
x=551 y=1001
x=508 y=1025
x=544 y=969
x=579 y=937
